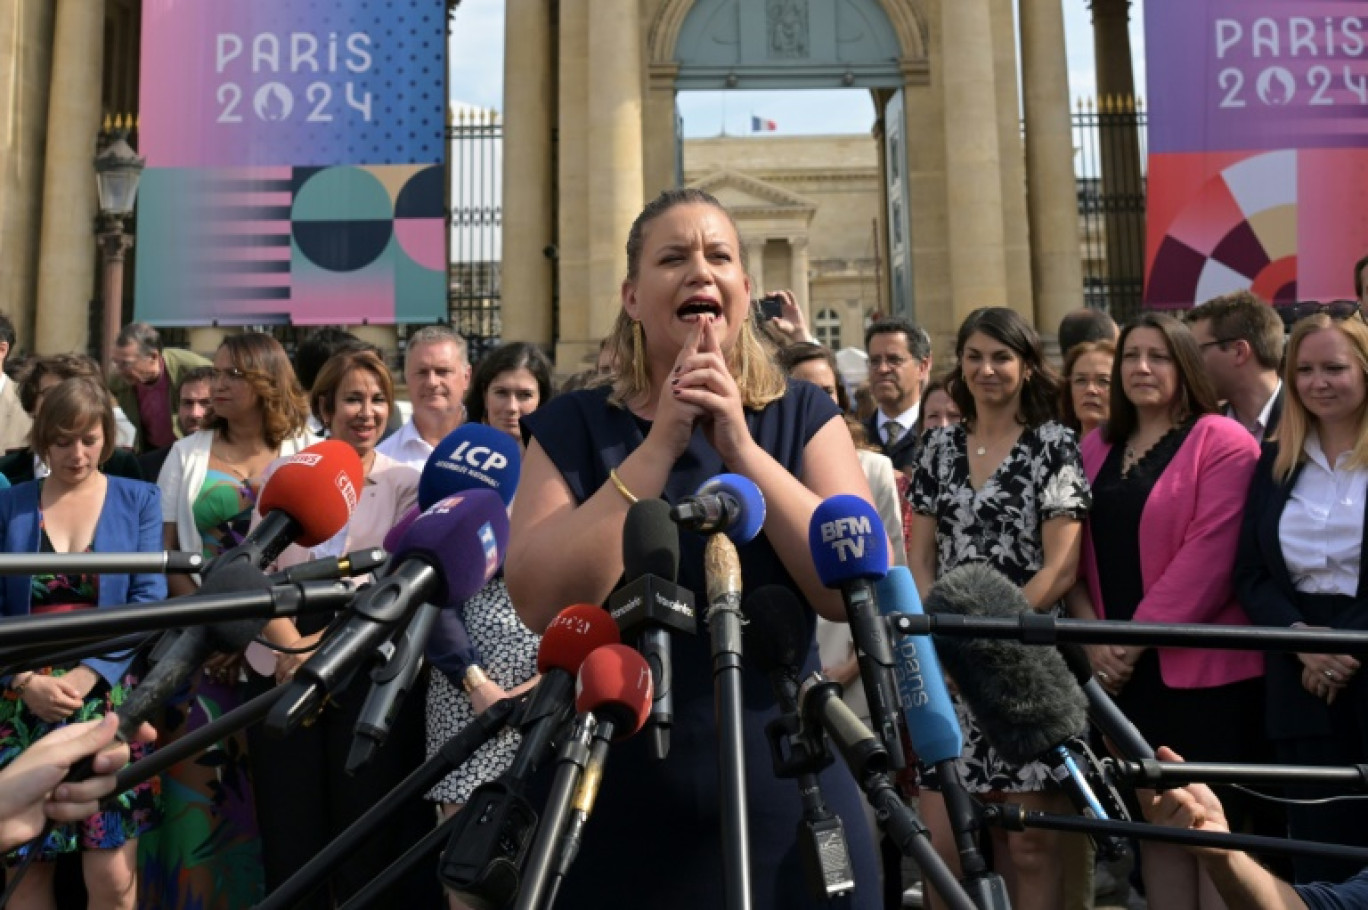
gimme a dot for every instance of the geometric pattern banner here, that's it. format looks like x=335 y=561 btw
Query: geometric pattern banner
x=296 y=162
x=1258 y=148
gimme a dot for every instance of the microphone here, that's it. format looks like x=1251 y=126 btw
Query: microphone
x=491 y=834
x=349 y=565
x=1102 y=711
x=163 y=562
x=471 y=457
x=850 y=549
x=448 y=554
x=308 y=499
x=776 y=640
x=613 y=698
x=390 y=543
x=728 y=503
x=1021 y=696
x=650 y=604
x=448 y=472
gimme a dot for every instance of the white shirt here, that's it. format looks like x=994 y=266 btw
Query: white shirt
x=1261 y=422
x=407 y=446
x=907 y=420
x=1321 y=529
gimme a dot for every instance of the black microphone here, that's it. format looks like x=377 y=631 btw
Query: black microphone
x=1102 y=711
x=348 y=565
x=1022 y=697
x=391 y=683
x=776 y=639
x=448 y=554
x=651 y=604
x=728 y=504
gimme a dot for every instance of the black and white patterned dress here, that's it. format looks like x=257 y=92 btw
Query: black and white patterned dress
x=1041 y=478
x=508 y=652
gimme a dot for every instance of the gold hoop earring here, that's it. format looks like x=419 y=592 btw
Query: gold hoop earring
x=639 y=378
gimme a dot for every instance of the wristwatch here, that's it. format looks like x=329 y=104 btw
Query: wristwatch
x=474 y=678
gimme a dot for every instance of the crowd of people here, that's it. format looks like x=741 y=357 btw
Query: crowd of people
x=1175 y=470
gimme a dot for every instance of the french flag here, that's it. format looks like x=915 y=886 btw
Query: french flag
x=761 y=125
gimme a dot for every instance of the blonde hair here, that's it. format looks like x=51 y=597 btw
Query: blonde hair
x=1296 y=421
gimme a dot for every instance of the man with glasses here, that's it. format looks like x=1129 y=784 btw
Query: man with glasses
x=147 y=381
x=899 y=363
x=1241 y=339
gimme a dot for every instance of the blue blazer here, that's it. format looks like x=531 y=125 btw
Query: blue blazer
x=131 y=521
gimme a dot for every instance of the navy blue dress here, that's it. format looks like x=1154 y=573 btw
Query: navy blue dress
x=654 y=839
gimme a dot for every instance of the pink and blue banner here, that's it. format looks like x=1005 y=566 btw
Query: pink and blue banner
x=295 y=162
x=1258 y=148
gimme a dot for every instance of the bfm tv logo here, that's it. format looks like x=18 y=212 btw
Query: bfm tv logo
x=847 y=536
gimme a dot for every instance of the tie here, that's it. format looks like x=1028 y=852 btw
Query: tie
x=893 y=431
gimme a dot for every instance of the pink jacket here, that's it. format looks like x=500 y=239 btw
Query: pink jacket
x=1189 y=530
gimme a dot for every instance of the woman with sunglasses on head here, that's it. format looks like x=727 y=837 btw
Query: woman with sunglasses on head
x=207 y=853
x=76 y=509
x=1301 y=564
x=1169 y=477
x=1005 y=488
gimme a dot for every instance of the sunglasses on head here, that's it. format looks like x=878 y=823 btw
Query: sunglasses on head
x=1335 y=309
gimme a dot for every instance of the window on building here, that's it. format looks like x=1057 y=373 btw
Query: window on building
x=827 y=328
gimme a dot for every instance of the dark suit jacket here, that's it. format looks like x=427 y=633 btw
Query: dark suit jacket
x=17 y=466
x=1263 y=585
x=904 y=453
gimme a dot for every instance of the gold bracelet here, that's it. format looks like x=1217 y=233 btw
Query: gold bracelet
x=474 y=678
x=622 y=487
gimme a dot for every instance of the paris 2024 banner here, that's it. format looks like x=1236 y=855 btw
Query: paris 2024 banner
x=1258 y=148
x=295 y=162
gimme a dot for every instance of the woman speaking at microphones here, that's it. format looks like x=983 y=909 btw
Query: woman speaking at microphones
x=78 y=509
x=694 y=393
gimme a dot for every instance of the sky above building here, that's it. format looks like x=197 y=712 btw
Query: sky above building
x=476 y=78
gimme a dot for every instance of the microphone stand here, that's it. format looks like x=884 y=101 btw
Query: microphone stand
x=453 y=753
x=1013 y=818
x=1154 y=774
x=574 y=755
x=38 y=656
x=722 y=568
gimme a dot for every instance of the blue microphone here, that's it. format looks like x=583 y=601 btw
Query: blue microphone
x=932 y=724
x=850 y=550
x=728 y=503
x=472 y=456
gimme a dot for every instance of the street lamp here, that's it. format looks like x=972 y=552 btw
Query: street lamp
x=117 y=172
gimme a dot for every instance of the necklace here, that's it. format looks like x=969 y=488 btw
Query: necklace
x=981 y=450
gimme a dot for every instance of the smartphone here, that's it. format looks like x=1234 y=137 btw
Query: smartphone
x=767 y=308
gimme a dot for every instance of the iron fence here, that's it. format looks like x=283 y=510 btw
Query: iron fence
x=475 y=143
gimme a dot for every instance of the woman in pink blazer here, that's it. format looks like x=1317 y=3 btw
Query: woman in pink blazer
x=1169 y=478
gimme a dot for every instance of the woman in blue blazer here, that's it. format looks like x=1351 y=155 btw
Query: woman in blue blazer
x=1301 y=563
x=78 y=509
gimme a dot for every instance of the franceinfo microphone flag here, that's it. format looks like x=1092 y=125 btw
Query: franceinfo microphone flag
x=447 y=555
x=308 y=499
x=850 y=549
x=1024 y=698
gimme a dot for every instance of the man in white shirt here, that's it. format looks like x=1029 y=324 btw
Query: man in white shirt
x=899 y=365
x=1241 y=339
x=437 y=373
x=14 y=420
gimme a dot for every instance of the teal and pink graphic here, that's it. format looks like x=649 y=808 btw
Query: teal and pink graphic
x=295 y=156
x=1258 y=138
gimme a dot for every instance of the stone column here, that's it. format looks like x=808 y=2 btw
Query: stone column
x=615 y=151
x=1052 y=198
x=798 y=275
x=978 y=272
x=1119 y=143
x=528 y=231
x=66 y=252
x=572 y=207
x=25 y=72
x=755 y=264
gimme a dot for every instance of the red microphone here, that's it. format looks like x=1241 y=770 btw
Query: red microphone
x=615 y=686
x=318 y=488
x=573 y=635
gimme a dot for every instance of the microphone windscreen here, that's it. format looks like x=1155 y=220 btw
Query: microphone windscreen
x=848 y=541
x=573 y=635
x=318 y=488
x=650 y=541
x=932 y=724
x=615 y=684
x=776 y=631
x=471 y=457
x=1023 y=696
x=748 y=496
x=396 y=533
x=464 y=538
